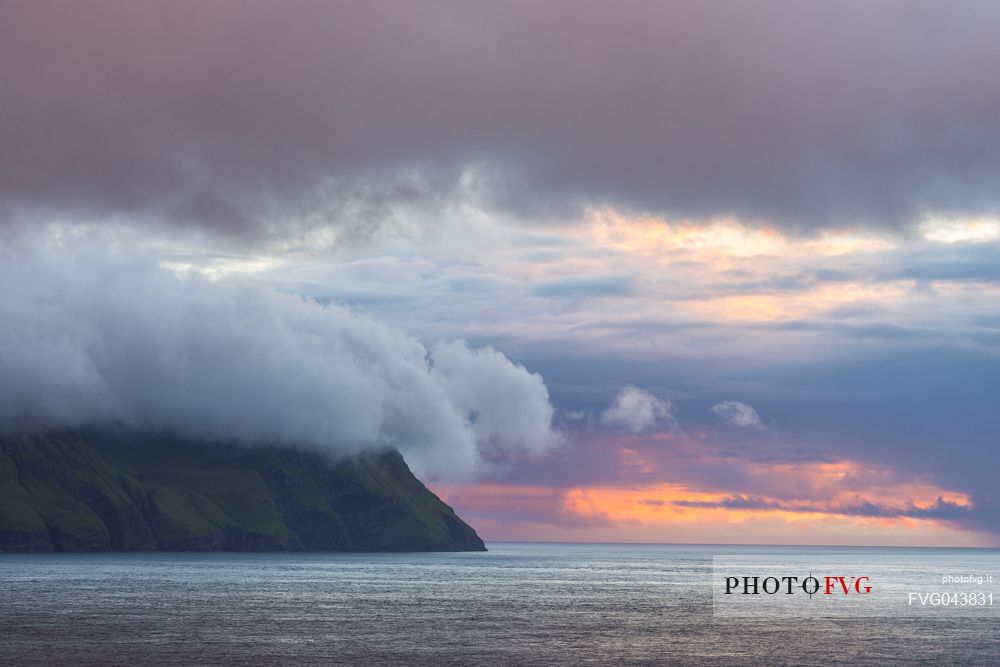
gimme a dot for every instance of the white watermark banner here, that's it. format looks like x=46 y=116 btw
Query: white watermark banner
x=933 y=584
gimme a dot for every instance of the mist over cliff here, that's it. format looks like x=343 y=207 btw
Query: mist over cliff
x=92 y=334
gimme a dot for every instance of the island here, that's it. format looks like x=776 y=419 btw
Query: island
x=122 y=489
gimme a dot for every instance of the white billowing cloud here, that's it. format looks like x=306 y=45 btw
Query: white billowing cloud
x=90 y=336
x=637 y=410
x=738 y=414
x=506 y=404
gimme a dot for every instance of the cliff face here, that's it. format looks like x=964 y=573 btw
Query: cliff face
x=112 y=489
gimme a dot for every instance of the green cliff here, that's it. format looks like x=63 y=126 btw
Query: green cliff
x=93 y=489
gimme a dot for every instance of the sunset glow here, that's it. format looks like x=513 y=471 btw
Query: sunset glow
x=655 y=273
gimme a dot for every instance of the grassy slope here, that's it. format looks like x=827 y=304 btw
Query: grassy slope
x=113 y=489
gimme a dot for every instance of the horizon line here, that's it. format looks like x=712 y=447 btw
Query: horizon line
x=728 y=544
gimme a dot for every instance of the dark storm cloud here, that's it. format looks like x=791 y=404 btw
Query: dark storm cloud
x=221 y=114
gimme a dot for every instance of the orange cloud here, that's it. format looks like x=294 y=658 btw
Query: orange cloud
x=843 y=502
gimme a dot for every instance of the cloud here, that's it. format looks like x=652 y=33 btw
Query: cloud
x=585 y=287
x=256 y=117
x=506 y=404
x=233 y=122
x=89 y=335
x=940 y=509
x=637 y=410
x=511 y=504
x=738 y=414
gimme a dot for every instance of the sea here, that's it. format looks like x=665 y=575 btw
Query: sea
x=516 y=604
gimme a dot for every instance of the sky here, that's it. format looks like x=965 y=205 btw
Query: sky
x=659 y=272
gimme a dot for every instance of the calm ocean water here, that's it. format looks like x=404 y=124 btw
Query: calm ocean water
x=535 y=604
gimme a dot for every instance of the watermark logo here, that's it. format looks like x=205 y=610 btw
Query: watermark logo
x=852 y=583
x=789 y=585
